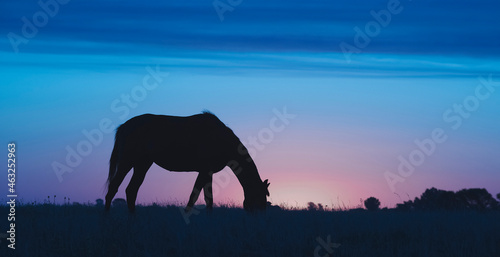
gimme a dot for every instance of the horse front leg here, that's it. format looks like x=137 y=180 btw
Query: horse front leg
x=201 y=181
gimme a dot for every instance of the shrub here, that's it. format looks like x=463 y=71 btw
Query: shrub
x=372 y=204
x=311 y=206
x=119 y=202
x=99 y=202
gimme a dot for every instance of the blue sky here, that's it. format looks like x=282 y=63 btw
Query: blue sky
x=355 y=116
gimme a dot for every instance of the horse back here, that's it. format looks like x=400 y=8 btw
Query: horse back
x=176 y=143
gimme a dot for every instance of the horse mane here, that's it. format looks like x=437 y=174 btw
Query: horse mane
x=207 y=112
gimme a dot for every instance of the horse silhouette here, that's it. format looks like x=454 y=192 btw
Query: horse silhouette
x=199 y=143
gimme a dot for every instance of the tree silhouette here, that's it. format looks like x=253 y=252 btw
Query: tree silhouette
x=476 y=199
x=99 y=202
x=372 y=204
x=437 y=199
x=498 y=196
x=465 y=199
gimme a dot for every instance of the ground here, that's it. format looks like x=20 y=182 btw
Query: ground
x=86 y=230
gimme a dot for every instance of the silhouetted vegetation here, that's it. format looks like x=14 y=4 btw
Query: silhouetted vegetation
x=372 y=204
x=443 y=223
x=465 y=199
x=119 y=202
x=476 y=199
x=156 y=230
x=272 y=207
x=99 y=202
x=312 y=206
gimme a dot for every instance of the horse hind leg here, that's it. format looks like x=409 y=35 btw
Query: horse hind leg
x=207 y=191
x=115 y=183
x=140 y=170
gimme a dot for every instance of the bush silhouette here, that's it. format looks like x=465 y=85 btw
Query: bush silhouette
x=311 y=206
x=372 y=204
x=99 y=202
x=272 y=207
x=119 y=202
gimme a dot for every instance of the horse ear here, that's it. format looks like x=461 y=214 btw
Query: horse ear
x=266 y=183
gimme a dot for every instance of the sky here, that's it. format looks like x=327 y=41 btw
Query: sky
x=338 y=101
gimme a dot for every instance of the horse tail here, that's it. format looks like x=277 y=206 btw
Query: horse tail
x=115 y=156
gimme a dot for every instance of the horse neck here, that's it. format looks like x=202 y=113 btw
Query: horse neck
x=245 y=170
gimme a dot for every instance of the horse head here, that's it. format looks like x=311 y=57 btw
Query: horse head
x=257 y=199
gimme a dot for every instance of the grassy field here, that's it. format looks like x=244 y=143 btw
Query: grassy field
x=80 y=230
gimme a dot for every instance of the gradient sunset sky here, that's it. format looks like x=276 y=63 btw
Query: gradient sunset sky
x=419 y=70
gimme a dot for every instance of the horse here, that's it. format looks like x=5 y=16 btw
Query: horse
x=199 y=143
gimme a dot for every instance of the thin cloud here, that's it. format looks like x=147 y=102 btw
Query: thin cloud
x=423 y=27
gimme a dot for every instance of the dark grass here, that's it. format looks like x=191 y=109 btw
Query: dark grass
x=81 y=230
